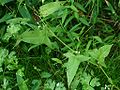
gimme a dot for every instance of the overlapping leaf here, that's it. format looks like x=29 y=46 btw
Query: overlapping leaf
x=50 y=8
x=36 y=37
x=100 y=54
x=73 y=64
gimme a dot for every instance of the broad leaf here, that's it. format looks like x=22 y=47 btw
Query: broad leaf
x=103 y=52
x=50 y=8
x=73 y=64
x=36 y=37
x=100 y=54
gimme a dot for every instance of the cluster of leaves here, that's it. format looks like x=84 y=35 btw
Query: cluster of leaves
x=59 y=45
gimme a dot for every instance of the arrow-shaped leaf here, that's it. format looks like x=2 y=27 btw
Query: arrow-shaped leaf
x=73 y=64
x=37 y=37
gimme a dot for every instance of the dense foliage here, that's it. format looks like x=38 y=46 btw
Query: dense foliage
x=59 y=45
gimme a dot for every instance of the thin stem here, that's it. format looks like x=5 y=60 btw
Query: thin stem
x=36 y=12
x=58 y=38
x=109 y=79
x=62 y=42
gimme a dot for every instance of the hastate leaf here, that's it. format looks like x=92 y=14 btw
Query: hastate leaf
x=73 y=64
x=103 y=52
x=100 y=54
x=37 y=37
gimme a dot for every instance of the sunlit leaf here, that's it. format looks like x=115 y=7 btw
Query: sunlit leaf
x=100 y=54
x=50 y=8
x=73 y=64
x=103 y=52
x=57 y=60
x=36 y=37
x=20 y=81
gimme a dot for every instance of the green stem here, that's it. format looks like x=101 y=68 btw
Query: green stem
x=62 y=42
x=58 y=37
x=109 y=79
x=36 y=12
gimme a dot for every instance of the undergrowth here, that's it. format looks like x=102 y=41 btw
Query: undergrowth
x=59 y=45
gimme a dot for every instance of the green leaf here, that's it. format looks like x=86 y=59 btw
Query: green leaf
x=49 y=85
x=24 y=12
x=50 y=8
x=97 y=38
x=20 y=81
x=76 y=15
x=84 y=21
x=78 y=5
x=100 y=54
x=6 y=17
x=119 y=4
x=37 y=37
x=65 y=13
x=85 y=80
x=71 y=1
x=95 y=82
x=57 y=60
x=2 y=2
x=60 y=86
x=94 y=56
x=110 y=7
x=94 y=15
x=103 y=52
x=88 y=45
x=45 y=75
x=22 y=21
x=36 y=84
x=68 y=20
x=73 y=8
x=73 y=64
